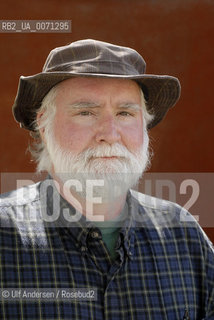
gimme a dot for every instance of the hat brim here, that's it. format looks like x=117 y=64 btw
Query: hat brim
x=161 y=93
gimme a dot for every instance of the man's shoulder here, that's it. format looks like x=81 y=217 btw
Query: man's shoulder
x=161 y=213
x=21 y=216
x=25 y=207
x=20 y=197
x=156 y=205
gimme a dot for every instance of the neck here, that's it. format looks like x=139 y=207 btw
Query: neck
x=94 y=209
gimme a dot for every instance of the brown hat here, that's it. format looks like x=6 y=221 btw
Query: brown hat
x=92 y=58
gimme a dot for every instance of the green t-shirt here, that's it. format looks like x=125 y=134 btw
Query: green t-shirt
x=110 y=231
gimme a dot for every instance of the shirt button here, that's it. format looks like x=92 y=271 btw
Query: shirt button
x=83 y=249
x=94 y=234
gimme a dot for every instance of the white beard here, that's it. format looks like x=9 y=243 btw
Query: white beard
x=116 y=176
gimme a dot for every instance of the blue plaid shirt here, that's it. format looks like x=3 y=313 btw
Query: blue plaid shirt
x=164 y=267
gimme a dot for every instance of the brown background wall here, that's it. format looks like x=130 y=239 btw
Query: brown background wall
x=175 y=37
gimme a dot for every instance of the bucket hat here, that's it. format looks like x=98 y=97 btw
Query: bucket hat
x=93 y=58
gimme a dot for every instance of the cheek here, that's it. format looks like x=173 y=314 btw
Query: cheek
x=133 y=136
x=71 y=136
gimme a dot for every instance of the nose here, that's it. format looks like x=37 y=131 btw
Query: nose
x=108 y=130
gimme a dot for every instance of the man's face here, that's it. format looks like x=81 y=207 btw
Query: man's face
x=96 y=111
x=97 y=133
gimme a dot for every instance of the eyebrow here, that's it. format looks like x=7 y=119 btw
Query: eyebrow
x=84 y=104
x=91 y=105
x=130 y=106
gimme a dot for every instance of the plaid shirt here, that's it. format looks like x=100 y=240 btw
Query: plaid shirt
x=165 y=262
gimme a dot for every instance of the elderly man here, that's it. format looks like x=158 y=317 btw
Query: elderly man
x=92 y=247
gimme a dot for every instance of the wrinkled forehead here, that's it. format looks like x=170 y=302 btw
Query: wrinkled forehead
x=98 y=87
x=84 y=82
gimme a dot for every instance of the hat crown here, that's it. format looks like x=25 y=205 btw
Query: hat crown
x=93 y=56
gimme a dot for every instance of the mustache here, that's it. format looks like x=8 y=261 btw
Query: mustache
x=115 y=150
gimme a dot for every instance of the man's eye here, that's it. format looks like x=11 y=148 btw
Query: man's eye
x=85 y=113
x=125 y=114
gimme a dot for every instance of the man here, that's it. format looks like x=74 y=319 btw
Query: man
x=92 y=247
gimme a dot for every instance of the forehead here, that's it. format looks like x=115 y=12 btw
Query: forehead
x=83 y=86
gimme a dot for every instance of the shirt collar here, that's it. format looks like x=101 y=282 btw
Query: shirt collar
x=76 y=224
